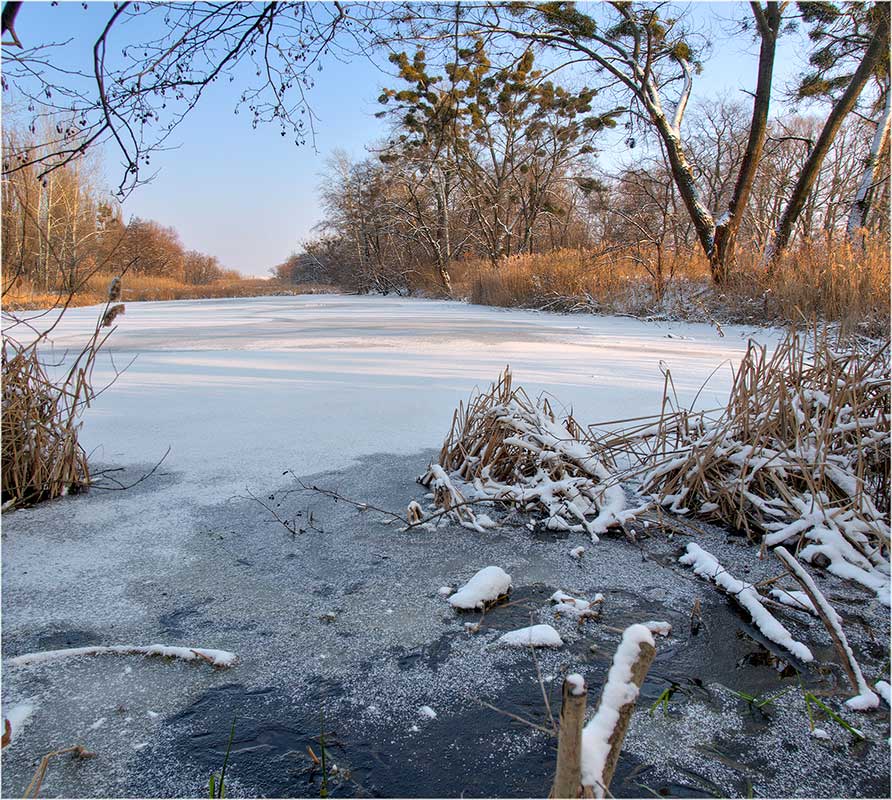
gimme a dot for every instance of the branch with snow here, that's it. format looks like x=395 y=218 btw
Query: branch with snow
x=218 y=658
x=603 y=736
x=707 y=566
x=865 y=699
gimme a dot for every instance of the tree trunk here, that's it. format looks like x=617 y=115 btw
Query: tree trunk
x=443 y=246
x=861 y=204
x=879 y=45
x=768 y=22
x=683 y=176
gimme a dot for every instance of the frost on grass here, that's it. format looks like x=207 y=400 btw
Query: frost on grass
x=532 y=636
x=503 y=447
x=706 y=566
x=219 y=658
x=883 y=690
x=619 y=691
x=487 y=586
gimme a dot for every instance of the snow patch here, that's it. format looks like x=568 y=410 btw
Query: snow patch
x=487 y=585
x=532 y=636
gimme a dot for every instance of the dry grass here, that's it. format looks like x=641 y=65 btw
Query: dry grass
x=800 y=455
x=41 y=456
x=505 y=448
x=153 y=287
x=805 y=429
x=827 y=280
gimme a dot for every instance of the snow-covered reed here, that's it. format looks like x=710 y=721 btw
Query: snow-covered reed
x=799 y=455
x=503 y=447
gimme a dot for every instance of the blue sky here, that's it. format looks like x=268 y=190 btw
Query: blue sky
x=249 y=196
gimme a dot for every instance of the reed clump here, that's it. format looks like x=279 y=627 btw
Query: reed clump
x=506 y=448
x=41 y=456
x=805 y=428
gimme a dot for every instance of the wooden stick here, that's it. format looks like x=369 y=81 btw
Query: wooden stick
x=642 y=664
x=568 y=772
x=646 y=653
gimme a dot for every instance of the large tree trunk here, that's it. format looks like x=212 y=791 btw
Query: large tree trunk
x=879 y=45
x=683 y=177
x=768 y=22
x=861 y=205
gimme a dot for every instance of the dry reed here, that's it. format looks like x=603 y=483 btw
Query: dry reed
x=506 y=448
x=830 y=280
x=41 y=456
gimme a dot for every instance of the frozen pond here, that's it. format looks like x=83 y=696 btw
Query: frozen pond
x=342 y=627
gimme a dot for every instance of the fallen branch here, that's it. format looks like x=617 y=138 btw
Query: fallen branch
x=706 y=566
x=219 y=658
x=865 y=698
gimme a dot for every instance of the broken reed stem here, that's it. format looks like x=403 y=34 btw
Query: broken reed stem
x=78 y=751
x=824 y=610
x=646 y=653
x=568 y=772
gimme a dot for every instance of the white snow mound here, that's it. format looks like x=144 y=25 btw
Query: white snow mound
x=487 y=585
x=533 y=636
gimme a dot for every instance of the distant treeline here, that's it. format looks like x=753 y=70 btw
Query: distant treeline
x=61 y=232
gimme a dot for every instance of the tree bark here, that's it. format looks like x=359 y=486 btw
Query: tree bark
x=879 y=45
x=9 y=13
x=683 y=176
x=768 y=22
x=861 y=205
x=567 y=774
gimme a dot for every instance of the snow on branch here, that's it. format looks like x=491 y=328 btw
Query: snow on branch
x=603 y=736
x=218 y=658
x=865 y=699
x=745 y=594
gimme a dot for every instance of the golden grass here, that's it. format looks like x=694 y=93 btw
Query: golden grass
x=828 y=280
x=152 y=287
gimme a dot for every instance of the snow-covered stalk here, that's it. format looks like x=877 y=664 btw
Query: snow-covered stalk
x=602 y=738
x=865 y=698
x=706 y=566
x=218 y=658
x=568 y=772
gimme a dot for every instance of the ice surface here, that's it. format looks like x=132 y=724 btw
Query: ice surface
x=364 y=387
